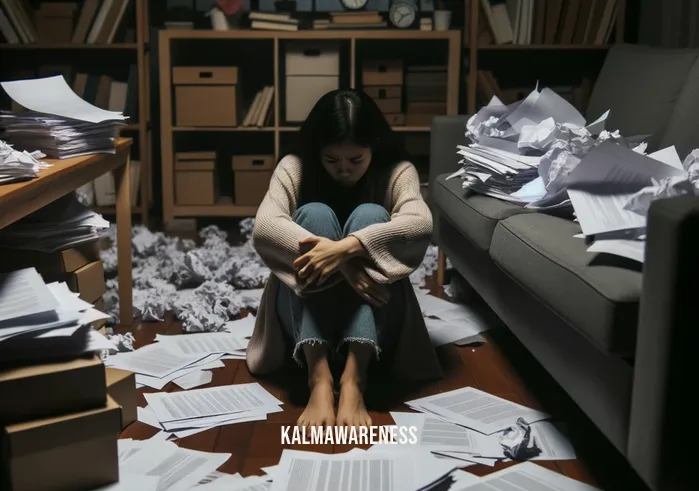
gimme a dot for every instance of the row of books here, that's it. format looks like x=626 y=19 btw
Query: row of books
x=98 y=22
x=259 y=113
x=575 y=22
x=337 y=20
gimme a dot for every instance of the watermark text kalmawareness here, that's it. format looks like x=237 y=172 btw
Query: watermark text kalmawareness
x=349 y=435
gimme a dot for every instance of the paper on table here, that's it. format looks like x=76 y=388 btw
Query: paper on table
x=52 y=95
x=212 y=401
x=131 y=482
x=153 y=360
x=477 y=410
x=179 y=470
x=630 y=249
x=205 y=343
x=194 y=379
x=528 y=477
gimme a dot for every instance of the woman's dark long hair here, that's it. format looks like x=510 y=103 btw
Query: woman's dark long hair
x=347 y=116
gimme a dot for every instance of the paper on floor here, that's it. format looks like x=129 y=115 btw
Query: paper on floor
x=477 y=410
x=213 y=401
x=528 y=477
x=132 y=482
x=194 y=379
x=153 y=360
x=204 y=343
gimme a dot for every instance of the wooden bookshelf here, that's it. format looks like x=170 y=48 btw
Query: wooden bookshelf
x=172 y=41
x=471 y=42
x=45 y=53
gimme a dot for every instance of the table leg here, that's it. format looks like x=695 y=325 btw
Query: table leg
x=441 y=268
x=122 y=182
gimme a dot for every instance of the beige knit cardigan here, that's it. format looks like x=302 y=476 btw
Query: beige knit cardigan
x=395 y=250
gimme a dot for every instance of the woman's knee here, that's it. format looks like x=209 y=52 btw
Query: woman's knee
x=319 y=219
x=367 y=214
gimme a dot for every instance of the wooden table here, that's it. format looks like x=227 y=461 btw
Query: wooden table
x=20 y=199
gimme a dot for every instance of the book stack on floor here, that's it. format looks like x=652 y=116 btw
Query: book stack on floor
x=259 y=113
x=425 y=87
x=273 y=21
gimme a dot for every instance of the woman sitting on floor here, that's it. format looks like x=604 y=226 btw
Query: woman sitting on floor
x=341 y=228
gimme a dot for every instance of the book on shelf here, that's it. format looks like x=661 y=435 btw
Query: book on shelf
x=98 y=22
x=260 y=111
x=273 y=21
x=351 y=20
x=570 y=22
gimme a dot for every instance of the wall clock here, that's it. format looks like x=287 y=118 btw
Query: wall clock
x=403 y=13
x=354 y=4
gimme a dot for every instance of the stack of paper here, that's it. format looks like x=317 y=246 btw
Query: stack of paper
x=185 y=359
x=469 y=425
x=40 y=321
x=58 y=122
x=18 y=166
x=611 y=190
x=527 y=477
x=182 y=414
x=62 y=224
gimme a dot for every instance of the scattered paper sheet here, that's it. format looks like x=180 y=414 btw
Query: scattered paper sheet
x=204 y=343
x=528 y=477
x=194 y=379
x=213 y=401
x=153 y=360
x=477 y=410
x=132 y=482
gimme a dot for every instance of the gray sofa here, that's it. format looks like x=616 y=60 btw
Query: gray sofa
x=578 y=316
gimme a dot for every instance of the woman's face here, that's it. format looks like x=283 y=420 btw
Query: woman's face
x=346 y=162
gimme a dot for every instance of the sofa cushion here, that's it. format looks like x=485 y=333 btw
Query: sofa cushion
x=474 y=215
x=601 y=301
x=640 y=86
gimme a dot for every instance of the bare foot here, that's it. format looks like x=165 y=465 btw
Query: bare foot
x=351 y=410
x=320 y=410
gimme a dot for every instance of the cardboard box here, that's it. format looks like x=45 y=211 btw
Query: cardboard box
x=195 y=178
x=88 y=281
x=252 y=174
x=312 y=69
x=40 y=391
x=206 y=96
x=65 y=261
x=382 y=72
x=384 y=92
x=76 y=451
x=99 y=325
x=121 y=386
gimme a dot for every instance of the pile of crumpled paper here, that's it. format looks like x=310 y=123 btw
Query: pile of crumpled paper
x=203 y=285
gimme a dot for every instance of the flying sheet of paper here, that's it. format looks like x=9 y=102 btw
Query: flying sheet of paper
x=194 y=379
x=131 y=482
x=52 y=95
x=153 y=360
x=204 y=343
x=212 y=401
x=630 y=249
x=528 y=477
x=477 y=410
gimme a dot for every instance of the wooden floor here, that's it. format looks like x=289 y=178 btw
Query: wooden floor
x=500 y=367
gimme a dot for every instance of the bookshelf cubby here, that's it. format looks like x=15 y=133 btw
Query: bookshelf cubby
x=479 y=38
x=119 y=41
x=260 y=59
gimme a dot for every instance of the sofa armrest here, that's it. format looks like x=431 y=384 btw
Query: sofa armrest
x=662 y=419
x=447 y=132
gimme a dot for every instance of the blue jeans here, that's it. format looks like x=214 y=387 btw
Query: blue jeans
x=338 y=314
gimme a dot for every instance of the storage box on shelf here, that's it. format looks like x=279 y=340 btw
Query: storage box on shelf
x=205 y=96
x=195 y=178
x=312 y=69
x=425 y=89
x=251 y=175
x=383 y=80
